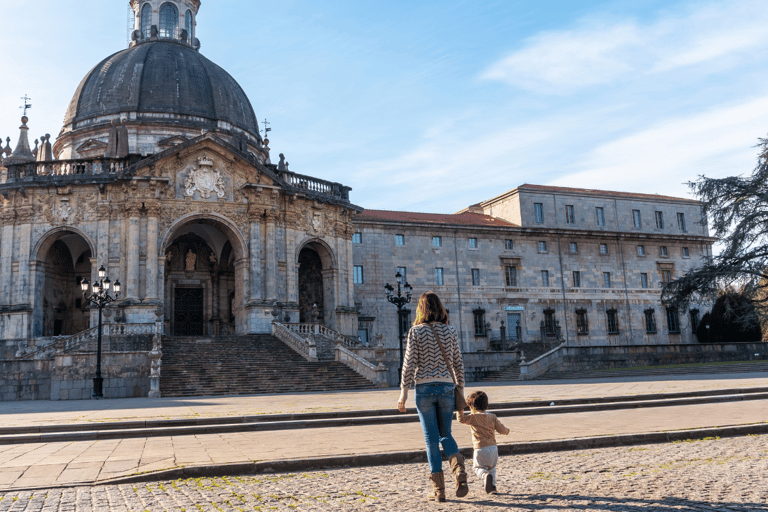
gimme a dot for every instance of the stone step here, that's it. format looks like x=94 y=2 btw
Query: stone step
x=694 y=369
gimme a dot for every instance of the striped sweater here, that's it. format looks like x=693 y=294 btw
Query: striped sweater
x=424 y=363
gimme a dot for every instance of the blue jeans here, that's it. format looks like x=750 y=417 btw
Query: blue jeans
x=434 y=403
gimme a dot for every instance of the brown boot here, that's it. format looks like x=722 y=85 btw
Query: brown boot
x=438 y=484
x=459 y=473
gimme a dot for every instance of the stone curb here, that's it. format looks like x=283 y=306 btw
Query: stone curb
x=345 y=420
x=410 y=457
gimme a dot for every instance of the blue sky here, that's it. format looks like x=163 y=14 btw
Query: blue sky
x=435 y=105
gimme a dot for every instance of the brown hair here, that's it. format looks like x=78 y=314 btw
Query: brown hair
x=478 y=400
x=430 y=309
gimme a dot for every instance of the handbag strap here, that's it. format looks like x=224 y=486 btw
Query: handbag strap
x=442 y=351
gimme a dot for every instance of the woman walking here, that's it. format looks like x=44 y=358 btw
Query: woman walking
x=425 y=366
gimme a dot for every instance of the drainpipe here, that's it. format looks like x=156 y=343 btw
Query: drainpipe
x=562 y=289
x=458 y=286
x=624 y=272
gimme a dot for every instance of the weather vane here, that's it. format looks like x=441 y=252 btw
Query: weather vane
x=266 y=127
x=27 y=105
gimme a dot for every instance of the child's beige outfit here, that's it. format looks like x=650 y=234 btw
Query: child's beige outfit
x=484 y=426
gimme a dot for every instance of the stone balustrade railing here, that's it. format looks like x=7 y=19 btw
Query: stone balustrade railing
x=322 y=330
x=73 y=168
x=304 y=345
x=539 y=366
x=114 y=338
x=374 y=373
x=311 y=184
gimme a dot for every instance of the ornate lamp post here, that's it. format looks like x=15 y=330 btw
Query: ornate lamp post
x=100 y=298
x=400 y=301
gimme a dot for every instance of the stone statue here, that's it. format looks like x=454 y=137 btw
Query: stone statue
x=190 y=261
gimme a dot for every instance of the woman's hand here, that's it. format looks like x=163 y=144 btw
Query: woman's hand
x=401 y=401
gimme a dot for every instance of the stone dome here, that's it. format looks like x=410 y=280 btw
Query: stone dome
x=158 y=78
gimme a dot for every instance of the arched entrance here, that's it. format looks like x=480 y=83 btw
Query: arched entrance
x=200 y=285
x=317 y=281
x=64 y=259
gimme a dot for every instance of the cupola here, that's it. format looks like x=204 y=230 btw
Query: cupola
x=165 y=20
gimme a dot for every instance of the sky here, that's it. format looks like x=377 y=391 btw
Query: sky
x=434 y=105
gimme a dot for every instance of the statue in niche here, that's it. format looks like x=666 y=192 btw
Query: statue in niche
x=190 y=261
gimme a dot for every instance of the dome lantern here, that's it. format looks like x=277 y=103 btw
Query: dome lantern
x=169 y=20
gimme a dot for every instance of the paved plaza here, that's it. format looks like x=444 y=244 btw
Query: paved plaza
x=728 y=472
x=699 y=475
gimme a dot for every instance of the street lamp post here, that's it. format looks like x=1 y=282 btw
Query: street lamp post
x=400 y=301
x=100 y=298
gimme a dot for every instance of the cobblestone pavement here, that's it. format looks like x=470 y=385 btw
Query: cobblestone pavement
x=702 y=475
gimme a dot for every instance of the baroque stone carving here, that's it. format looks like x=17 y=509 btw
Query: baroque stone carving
x=205 y=179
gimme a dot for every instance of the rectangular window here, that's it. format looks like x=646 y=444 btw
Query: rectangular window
x=613 y=321
x=545 y=278
x=542 y=246
x=673 y=321
x=576 y=279
x=644 y=280
x=508 y=245
x=637 y=222
x=402 y=272
x=549 y=322
x=510 y=272
x=405 y=322
x=538 y=213
x=399 y=239
x=437 y=241
x=663 y=250
x=573 y=247
x=650 y=322
x=641 y=250
x=681 y=221
x=479 y=322
x=666 y=276
x=686 y=254
x=473 y=243
x=582 y=327
x=603 y=248
x=363 y=335
x=475 y=277
x=438 y=277
x=600 y=216
x=357 y=238
x=358 y=274
x=569 y=217
x=660 y=220
x=694 y=320
x=606 y=279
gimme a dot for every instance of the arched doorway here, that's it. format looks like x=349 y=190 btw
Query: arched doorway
x=65 y=259
x=317 y=283
x=200 y=285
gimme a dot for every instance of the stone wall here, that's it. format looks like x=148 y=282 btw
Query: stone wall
x=25 y=380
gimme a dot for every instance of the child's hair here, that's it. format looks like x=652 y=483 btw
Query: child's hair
x=478 y=400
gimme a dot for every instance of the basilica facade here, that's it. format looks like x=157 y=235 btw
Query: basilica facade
x=161 y=177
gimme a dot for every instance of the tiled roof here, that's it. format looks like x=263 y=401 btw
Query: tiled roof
x=547 y=188
x=465 y=219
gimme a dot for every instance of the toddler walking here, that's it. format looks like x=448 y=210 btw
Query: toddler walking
x=484 y=426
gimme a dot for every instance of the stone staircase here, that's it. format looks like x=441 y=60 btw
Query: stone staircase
x=244 y=365
x=512 y=372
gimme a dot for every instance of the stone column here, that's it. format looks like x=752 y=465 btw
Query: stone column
x=6 y=255
x=256 y=272
x=151 y=278
x=132 y=252
x=271 y=250
x=21 y=286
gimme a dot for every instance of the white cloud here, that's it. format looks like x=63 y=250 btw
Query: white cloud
x=661 y=158
x=603 y=51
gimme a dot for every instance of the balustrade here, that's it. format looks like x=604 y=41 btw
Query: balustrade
x=80 y=167
x=311 y=184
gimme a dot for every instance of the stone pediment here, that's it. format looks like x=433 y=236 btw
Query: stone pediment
x=172 y=141
x=91 y=148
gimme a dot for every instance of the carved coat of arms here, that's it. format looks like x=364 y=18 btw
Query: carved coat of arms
x=204 y=179
x=316 y=221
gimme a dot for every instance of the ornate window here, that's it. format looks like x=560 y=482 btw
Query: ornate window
x=146 y=21
x=188 y=25
x=169 y=21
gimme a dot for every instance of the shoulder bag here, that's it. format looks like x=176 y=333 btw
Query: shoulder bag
x=459 y=403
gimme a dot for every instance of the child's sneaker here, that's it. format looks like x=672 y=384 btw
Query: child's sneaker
x=489 y=486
